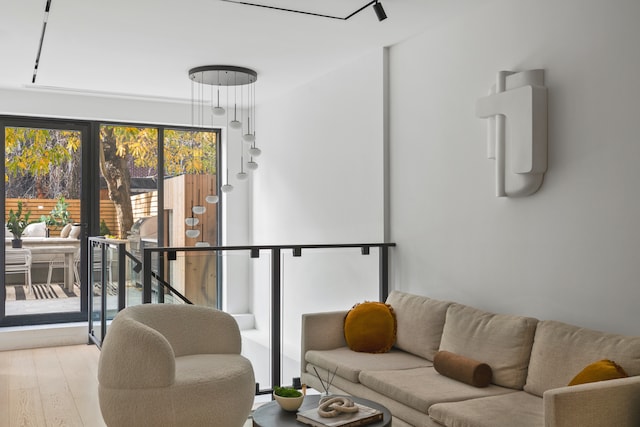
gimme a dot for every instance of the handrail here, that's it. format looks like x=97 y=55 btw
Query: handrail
x=276 y=281
x=248 y=247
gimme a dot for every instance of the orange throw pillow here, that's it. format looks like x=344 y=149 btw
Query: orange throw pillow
x=599 y=371
x=370 y=327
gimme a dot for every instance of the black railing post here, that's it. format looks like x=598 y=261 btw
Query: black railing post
x=146 y=276
x=384 y=273
x=121 y=275
x=103 y=291
x=276 y=320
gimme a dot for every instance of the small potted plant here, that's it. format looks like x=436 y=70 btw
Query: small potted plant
x=16 y=225
x=288 y=398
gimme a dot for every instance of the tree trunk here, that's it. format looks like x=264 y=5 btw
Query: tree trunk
x=116 y=173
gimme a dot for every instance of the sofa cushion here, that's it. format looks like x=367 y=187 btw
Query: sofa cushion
x=350 y=363
x=35 y=229
x=370 y=327
x=420 y=388
x=502 y=341
x=507 y=410
x=560 y=351
x=420 y=322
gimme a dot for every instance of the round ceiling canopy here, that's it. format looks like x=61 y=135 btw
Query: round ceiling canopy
x=223 y=75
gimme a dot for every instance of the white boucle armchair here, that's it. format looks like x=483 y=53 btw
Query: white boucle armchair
x=174 y=365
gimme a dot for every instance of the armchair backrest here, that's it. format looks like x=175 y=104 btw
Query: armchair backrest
x=143 y=341
x=191 y=329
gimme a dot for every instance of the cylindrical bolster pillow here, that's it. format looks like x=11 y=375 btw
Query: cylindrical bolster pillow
x=462 y=368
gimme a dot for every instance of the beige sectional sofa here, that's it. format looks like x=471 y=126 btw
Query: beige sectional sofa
x=532 y=362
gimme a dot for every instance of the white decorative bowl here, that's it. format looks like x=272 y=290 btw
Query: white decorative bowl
x=290 y=404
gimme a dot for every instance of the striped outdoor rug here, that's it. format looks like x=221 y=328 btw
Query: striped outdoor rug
x=39 y=291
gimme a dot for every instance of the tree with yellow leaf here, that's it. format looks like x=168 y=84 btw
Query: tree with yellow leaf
x=185 y=152
x=42 y=163
x=42 y=156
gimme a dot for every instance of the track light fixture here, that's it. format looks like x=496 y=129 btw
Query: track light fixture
x=377 y=7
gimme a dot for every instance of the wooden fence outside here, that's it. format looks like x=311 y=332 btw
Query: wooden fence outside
x=40 y=207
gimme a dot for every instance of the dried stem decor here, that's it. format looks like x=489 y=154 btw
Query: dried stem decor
x=330 y=377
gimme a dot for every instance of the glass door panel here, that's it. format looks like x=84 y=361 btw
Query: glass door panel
x=43 y=217
x=191 y=202
x=129 y=192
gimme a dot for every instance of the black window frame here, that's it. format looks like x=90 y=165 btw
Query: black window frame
x=90 y=191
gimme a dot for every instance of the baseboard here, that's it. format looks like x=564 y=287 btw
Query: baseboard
x=24 y=337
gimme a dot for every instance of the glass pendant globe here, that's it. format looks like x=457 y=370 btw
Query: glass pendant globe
x=249 y=137
x=227 y=188
x=241 y=176
x=211 y=198
x=255 y=151
x=201 y=243
x=198 y=210
x=218 y=111
x=193 y=233
x=252 y=165
x=191 y=221
x=235 y=124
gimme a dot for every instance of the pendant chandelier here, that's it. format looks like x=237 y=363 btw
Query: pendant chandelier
x=222 y=96
x=230 y=101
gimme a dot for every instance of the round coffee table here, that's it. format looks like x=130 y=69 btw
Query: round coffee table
x=271 y=415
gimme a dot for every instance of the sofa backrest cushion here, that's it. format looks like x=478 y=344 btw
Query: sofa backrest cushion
x=35 y=229
x=420 y=321
x=560 y=351
x=500 y=340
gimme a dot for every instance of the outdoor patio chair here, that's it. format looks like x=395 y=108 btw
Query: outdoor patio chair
x=57 y=261
x=18 y=261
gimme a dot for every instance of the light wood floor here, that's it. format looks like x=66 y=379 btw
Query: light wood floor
x=54 y=386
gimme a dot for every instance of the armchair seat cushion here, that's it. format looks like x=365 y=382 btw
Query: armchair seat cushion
x=196 y=369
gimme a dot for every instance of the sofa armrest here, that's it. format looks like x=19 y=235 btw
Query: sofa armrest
x=603 y=403
x=322 y=331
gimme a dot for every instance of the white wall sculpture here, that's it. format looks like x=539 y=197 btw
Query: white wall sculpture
x=517 y=131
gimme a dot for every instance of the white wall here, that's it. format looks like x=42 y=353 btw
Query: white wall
x=320 y=176
x=320 y=181
x=570 y=252
x=61 y=104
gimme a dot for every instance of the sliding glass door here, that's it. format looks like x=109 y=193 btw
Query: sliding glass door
x=67 y=180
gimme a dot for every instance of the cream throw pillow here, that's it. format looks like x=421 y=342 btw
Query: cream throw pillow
x=65 y=230
x=75 y=231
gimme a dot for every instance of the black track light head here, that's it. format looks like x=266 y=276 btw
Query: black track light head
x=377 y=7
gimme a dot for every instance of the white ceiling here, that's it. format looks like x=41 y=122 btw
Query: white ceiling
x=144 y=47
